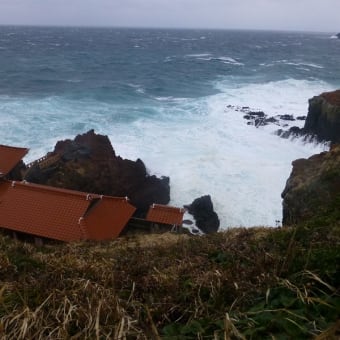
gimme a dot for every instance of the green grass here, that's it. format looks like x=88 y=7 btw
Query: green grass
x=256 y=283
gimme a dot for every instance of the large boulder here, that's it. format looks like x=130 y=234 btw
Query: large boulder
x=313 y=187
x=323 y=119
x=89 y=163
x=203 y=212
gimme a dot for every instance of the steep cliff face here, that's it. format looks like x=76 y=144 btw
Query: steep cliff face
x=313 y=187
x=323 y=119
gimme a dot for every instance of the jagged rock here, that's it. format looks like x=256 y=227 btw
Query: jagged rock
x=89 y=163
x=271 y=120
x=203 y=211
x=293 y=131
x=287 y=117
x=301 y=117
x=323 y=119
x=313 y=186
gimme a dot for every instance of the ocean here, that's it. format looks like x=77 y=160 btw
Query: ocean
x=171 y=98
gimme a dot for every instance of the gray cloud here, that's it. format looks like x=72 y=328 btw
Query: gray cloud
x=316 y=15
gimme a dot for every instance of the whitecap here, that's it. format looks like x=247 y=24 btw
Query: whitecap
x=199 y=55
x=189 y=39
x=292 y=63
x=169 y=99
x=228 y=60
x=73 y=80
x=138 y=88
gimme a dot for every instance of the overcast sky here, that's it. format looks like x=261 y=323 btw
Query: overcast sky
x=312 y=15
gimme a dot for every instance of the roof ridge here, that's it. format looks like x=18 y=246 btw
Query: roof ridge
x=48 y=188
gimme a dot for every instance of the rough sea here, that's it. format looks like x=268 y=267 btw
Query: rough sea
x=170 y=97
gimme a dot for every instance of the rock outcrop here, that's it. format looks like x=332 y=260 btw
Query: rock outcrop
x=89 y=163
x=313 y=186
x=323 y=119
x=338 y=35
x=203 y=212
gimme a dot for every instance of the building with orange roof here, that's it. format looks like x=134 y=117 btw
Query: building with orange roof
x=60 y=214
x=9 y=157
x=67 y=215
x=166 y=215
x=54 y=213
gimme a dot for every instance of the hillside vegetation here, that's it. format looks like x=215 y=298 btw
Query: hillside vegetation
x=255 y=283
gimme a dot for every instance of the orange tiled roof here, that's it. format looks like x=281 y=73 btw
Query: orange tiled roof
x=9 y=157
x=60 y=214
x=164 y=214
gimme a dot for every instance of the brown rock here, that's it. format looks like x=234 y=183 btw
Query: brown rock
x=88 y=163
x=323 y=119
x=313 y=186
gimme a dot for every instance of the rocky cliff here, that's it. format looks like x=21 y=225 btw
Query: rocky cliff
x=323 y=119
x=89 y=163
x=313 y=187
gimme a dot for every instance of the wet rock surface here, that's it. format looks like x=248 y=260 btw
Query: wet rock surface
x=203 y=212
x=260 y=118
x=323 y=119
x=89 y=163
x=313 y=186
x=322 y=123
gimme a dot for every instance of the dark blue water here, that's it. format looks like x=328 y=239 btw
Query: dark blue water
x=104 y=63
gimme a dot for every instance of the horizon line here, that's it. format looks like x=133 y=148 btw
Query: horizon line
x=166 y=28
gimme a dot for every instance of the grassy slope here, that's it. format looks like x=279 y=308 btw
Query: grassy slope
x=251 y=283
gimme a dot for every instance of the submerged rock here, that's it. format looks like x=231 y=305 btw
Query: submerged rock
x=89 y=163
x=313 y=186
x=203 y=211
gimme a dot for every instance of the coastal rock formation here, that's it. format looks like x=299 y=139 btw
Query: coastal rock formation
x=313 y=186
x=322 y=122
x=323 y=119
x=338 y=35
x=203 y=211
x=89 y=163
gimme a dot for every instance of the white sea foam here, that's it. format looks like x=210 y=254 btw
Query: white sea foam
x=210 y=57
x=212 y=151
x=204 y=147
x=170 y=99
x=199 y=55
x=286 y=62
x=229 y=60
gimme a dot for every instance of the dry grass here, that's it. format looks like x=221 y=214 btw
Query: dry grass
x=242 y=283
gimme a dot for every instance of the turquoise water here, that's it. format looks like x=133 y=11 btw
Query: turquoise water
x=162 y=95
